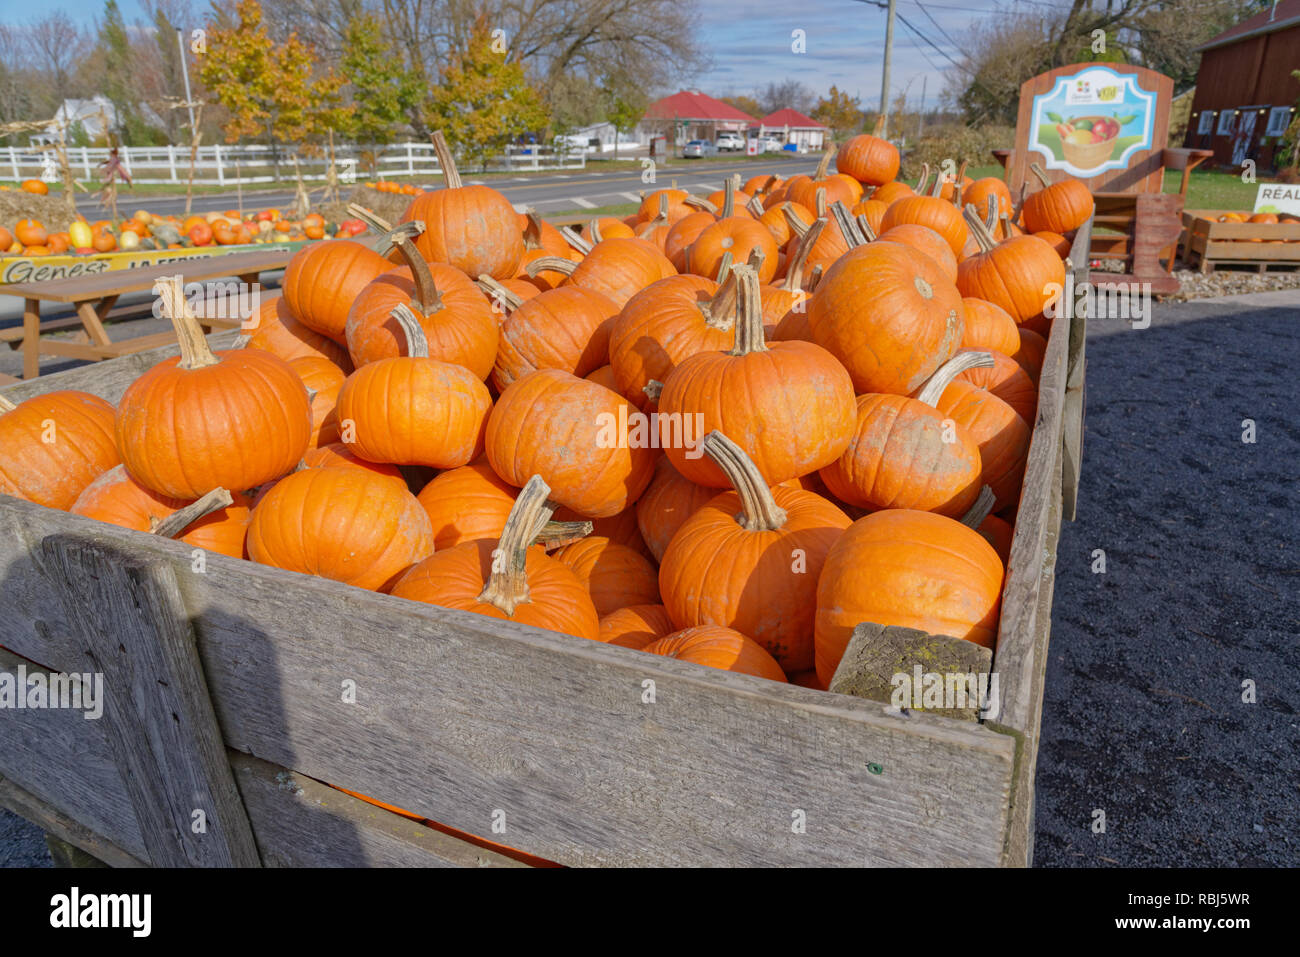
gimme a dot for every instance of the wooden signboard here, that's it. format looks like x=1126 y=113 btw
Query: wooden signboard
x=1107 y=124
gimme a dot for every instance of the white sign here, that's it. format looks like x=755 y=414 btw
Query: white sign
x=1278 y=198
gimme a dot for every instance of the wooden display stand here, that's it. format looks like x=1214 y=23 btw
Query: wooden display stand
x=1138 y=222
x=1208 y=243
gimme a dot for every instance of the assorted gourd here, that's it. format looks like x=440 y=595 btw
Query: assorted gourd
x=726 y=430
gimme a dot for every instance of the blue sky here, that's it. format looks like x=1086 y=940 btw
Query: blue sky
x=750 y=41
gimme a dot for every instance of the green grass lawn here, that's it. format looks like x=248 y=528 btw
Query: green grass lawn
x=1206 y=189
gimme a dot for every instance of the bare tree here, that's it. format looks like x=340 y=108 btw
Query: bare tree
x=787 y=93
x=58 y=44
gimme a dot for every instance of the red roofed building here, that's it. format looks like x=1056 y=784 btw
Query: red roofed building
x=1245 y=94
x=694 y=116
x=791 y=126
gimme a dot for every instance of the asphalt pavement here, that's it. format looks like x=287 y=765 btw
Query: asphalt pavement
x=546 y=192
x=1172 y=700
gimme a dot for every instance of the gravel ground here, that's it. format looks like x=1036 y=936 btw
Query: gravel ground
x=1143 y=717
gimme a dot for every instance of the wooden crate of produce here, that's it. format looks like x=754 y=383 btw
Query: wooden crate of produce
x=1208 y=243
x=236 y=688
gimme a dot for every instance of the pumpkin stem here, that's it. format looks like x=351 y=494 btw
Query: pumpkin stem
x=956 y=184
x=499 y=294
x=593 y=230
x=720 y=311
x=983 y=236
x=507 y=586
x=417 y=344
x=1041 y=174
x=824 y=166
x=446 y=162
x=749 y=313
x=575 y=240
x=1006 y=225
x=797 y=225
x=767 y=185
x=728 y=199
x=759 y=511
x=814 y=278
x=864 y=227
x=937 y=188
x=555 y=534
x=699 y=202
x=195 y=353
x=991 y=220
x=724 y=264
x=820 y=202
x=755 y=206
x=848 y=227
x=652 y=389
x=6 y=405
x=934 y=386
x=794 y=272
x=551 y=263
x=426 y=298
x=925 y=178
x=369 y=217
x=533 y=231
x=175 y=524
x=976 y=514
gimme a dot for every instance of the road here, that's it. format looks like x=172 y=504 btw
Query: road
x=545 y=192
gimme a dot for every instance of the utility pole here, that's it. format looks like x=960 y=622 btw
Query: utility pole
x=920 y=117
x=884 y=82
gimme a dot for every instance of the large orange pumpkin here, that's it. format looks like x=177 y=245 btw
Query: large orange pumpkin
x=616 y=268
x=575 y=435
x=989 y=327
x=53 y=445
x=277 y=331
x=667 y=503
x=467 y=504
x=413 y=410
x=750 y=559
x=905 y=454
x=566 y=328
x=717 y=647
x=924 y=240
x=458 y=323
x=739 y=236
x=890 y=315
x=507 y=578
x=336 y=455
x=1008 y=381
x=868 y=159
x=1003 y=436
x=473 y=228
x=932 y=212
x=788 y=404
x=349 y=525
x=324 y=279
x=908 y=568
x=200 y=421
x=1059 y=207
x=1022 y=275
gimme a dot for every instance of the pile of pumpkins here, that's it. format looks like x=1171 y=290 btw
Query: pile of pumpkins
x=727 y=431
x=145 y=230
x=1259 y=218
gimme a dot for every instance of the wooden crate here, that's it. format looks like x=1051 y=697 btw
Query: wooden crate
x=225 y=697
x=1208 y=243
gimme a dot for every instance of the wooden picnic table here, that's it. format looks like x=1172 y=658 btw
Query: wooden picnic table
x=94 y=295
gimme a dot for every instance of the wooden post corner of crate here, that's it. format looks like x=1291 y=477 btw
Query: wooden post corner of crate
x=879 y=660
x=126 y=608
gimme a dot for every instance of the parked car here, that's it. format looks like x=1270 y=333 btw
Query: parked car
x=699 y=148
x=769 y=144
x=730 y=141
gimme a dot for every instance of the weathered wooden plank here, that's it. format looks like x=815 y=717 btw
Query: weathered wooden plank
x=58 y=766
x=1020 y=657
x=158 y=718
x=469 y=721
x=1074 y=405
x=300 y=822
x=55 y=822
x=107 y=379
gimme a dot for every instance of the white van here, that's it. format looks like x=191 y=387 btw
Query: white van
x=730 y=141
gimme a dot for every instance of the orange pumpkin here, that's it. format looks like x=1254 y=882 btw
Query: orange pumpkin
x=890 y=315
x=200 y=421
x=868 y=159
x=347 y=524
x=470 y=227
x=635 y=626
x=1008 y=381
x=989 y=327
x=467 y=504
x=924 y=240
x=53 y=445
x=717 y=647
x=565 y=328
x=616 y=268
x=730 y=562
x=522 y=585
x=911 y=569
x=336 y=455
x=322 y=379
x=790 y=404
x=1003 y=436
x=34 y=186
x=30 y=232
x=575 y=435
x=1023 y=275
x=1059 y=207
x=324 y=279
x=738 y=235
x=385 y=408
x=614 y=575
x=668 y=501
x=276 y=331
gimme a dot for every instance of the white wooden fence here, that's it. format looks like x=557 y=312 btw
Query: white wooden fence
x=222 y=165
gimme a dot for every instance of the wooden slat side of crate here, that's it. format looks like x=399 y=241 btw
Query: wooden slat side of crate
x=524 y=717
x=57 y=770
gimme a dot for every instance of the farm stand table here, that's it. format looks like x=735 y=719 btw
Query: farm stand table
x=94 y=295
x=223 y=694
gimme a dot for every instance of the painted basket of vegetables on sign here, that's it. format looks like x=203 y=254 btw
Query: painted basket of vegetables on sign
x=1092 y=121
